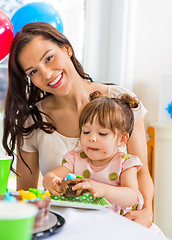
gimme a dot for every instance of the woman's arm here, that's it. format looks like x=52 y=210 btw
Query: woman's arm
x=27 y=179
x=137 y=145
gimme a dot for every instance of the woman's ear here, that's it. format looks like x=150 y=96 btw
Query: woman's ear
x=68 y=50
x=123 y=140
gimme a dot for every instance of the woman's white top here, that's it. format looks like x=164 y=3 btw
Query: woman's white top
x=52 y=147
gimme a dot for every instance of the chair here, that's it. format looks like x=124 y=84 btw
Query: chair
x=151 y=154
x=151 y=150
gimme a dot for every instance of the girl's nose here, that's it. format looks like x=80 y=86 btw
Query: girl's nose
x=92 y=138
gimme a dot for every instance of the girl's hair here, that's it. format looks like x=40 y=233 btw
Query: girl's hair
x=113 y=113
x=21 y=95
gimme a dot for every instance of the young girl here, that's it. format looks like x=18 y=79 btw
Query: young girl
x=105 y=126
x=47 y=90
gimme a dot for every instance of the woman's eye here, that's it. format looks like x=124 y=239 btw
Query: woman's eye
x=102 y=134
x=32 y=72
x=48 y=59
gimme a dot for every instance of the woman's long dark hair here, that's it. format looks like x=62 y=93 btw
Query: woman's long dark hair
x=21 y=96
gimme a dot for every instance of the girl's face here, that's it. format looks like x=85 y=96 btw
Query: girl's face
x=47 y=65
x=98 y=143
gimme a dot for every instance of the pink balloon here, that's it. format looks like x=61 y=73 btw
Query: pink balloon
x=6 y=35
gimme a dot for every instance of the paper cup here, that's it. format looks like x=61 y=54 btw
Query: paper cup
x=17 y=220
x=5 y=163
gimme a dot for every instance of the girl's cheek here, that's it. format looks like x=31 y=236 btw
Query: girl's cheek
x=105 y=150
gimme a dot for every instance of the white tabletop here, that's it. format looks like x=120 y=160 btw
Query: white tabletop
x=82 y=224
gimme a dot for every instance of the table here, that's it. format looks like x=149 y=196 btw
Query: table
x=102 y=224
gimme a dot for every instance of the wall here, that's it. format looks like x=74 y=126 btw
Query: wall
x=153 y=54
x=129 y=42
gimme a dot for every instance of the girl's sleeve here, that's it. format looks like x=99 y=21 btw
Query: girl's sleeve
x=131 y=161
x=69 y=160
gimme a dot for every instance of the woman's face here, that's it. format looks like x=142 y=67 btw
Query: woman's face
x=47 y=65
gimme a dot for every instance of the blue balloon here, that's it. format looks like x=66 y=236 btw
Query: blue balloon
x=36 y=12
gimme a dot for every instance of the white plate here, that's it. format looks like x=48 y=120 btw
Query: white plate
x=86 y=201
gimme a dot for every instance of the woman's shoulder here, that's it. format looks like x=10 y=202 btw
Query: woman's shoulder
x=115 y=90
x=112 y=90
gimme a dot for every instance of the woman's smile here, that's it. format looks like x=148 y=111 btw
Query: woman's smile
x=56 y=82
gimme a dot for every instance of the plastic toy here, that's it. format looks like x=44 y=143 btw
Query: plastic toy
x=33 y=195
x=9 y=197
x=27 y=195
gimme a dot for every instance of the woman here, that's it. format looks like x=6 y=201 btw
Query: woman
x=46 y=93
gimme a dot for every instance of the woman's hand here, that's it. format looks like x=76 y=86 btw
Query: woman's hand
x=95 y=188
x=137 y=145
x=143 y=216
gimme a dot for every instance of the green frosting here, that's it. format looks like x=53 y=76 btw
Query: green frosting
x=81 y=177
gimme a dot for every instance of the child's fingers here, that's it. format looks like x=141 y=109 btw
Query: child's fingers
x=83 y=185
x=55 y=192
x=56 y=180
x=79 y=191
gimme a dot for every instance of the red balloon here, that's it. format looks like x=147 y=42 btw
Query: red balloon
x=6 y=35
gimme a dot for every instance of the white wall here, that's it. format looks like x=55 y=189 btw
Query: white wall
x=153 y=54
x=129 y=42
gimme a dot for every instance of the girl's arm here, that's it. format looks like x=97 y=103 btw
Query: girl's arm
x=52 y=180
x=137 y=145
x=126 y=195
x=27 y=179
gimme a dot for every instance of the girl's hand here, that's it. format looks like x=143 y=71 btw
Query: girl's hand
x=55 y=186
x=95 y=188
x=143 y=216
